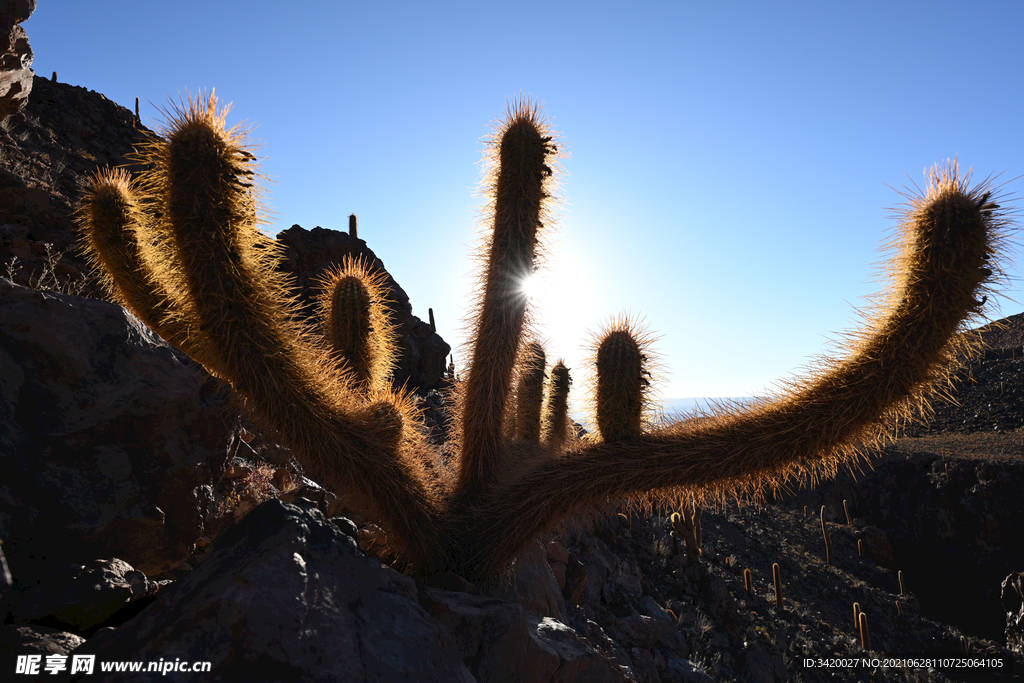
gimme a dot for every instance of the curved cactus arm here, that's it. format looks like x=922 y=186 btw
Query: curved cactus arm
x=113 y=225
x=944 y=264
x=520 y=190
x=247 y=332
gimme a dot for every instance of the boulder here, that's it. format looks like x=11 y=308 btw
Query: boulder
x=15 y=57
x=32 y=644
x=111 y=440
x=287 y=595
x=78 y=597
x=1012 y=597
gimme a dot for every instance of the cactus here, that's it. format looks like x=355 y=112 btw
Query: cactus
x=554 y=428
x=213 y=291
x=686 y=525
x=530 y=392
x=777 y=580
x=748 y=581
x=357 y=323
x=865 y=635
x=828 y=541
x=622 y=357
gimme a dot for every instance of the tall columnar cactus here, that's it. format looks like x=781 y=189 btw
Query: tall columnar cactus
x=213 y=290
x=530 y=392
x=555 y=419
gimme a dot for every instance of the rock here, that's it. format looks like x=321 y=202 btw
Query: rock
x=877 y=547
x=558 y=654
x=491 y=634
x=6 y=580
x=500 y=641
x=15 y=57
x=1012 y=597
x=642 y=630
x=34 y=641
x=110 y=440
x=78 y=597
x=575 y=581
x=285 y=595
x=684 y=671
x=309 y=253
x=531 y=583
x=557 y=552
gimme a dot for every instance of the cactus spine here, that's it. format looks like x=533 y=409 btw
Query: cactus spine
x=212 y=274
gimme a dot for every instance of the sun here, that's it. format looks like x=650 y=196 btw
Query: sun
x=533 y=286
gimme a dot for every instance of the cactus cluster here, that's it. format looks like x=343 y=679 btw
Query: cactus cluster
x=181 y=247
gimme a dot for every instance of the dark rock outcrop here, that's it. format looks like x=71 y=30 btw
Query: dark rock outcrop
x=286 y=595
x=77 y=597
x=68 y=132
x=110 y=439
x=15 y=57
x=308 y=255
x=1012 y=597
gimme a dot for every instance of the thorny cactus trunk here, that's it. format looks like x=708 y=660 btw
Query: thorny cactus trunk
x=181 y=249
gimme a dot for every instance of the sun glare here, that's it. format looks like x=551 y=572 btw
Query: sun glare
x=533 y=286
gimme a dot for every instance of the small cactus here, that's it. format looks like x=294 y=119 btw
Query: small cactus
x=623 y=360
x=686 y=525
x=828 y=541
x=865 y=635
x=777 y=580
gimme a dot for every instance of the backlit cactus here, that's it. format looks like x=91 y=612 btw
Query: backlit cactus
x=555 y=420
x=214 y=292
x=357 y=324
x=623 y=360
x=530 y=392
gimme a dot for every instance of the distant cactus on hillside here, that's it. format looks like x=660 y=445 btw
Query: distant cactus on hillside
x=183 y=249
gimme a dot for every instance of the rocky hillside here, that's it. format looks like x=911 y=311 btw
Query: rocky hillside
x=64 y=134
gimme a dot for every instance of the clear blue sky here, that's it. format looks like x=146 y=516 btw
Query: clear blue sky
x=729 y=160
